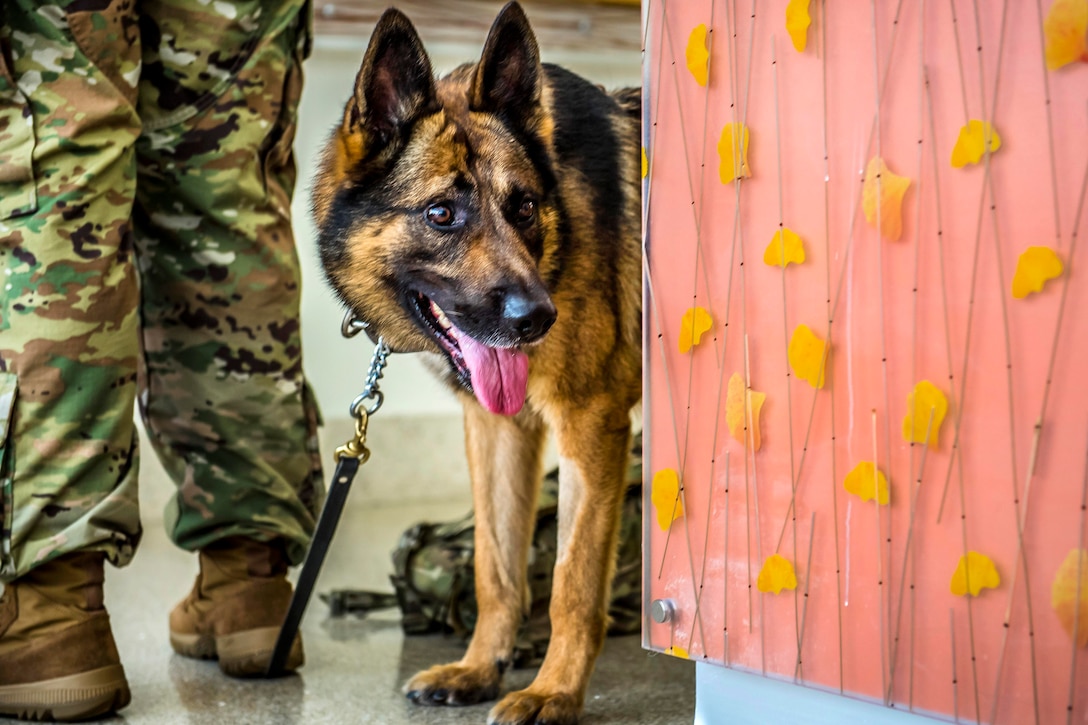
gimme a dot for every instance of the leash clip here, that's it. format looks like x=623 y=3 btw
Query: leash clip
x=356 y=447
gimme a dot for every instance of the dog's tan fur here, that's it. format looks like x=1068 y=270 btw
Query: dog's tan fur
x=492 y=127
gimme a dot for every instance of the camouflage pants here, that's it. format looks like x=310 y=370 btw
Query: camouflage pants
x=146 y=172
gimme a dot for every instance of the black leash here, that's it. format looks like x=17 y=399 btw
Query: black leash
x=346 y=469
x=349 y=457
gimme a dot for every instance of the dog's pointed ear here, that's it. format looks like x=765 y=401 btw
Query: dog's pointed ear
x=395 y=84
x=508 y=77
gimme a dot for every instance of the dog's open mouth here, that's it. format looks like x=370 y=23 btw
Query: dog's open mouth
x=497 y=376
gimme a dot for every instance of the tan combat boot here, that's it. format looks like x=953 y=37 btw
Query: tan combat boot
x=236 y=607
x=58 y=660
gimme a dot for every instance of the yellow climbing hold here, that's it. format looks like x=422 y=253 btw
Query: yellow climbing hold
x=733 y=152
x=738 y=407
x=697 y=55
x=693 y=324
x=867 y=482
x=645 y=164
x=925 y=397
x=807 y=354
x=1063 y=595
x=777 y=574
x=1064 y=29
x=1036 y=267
x=665 y=493
x=792 y=249
x=677 y=652
x=976 y=571
x=797 y=22
x=882 y=187
x=971 y=144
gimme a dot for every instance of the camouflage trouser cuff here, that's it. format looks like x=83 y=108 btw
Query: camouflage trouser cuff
x=192 y=301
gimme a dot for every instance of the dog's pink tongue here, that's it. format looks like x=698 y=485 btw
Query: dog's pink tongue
x=499 y=375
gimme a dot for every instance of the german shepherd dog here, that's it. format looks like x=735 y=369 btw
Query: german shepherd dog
x=491 y=219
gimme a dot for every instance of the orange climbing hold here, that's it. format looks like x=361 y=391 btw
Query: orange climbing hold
x=867 y=482
x=733 y=152
x=974 y=573
x=1072 y=614
x=693 y=324
x=807 y=354
x=924 y=400
x=697 y=55
x=797 y=22
x=1064 y=29
x=1036 y=267
x=884 y=190
x=665 y=494
x=971 y=145
x=785 y=247
x=777 y=574
x=738 y=407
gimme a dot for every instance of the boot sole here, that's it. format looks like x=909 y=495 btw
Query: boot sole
x=67 y=699
x=241 y=654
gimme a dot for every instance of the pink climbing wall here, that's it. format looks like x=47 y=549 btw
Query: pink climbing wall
x=870 y=616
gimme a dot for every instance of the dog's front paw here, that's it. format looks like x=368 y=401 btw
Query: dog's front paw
x=454 y=684
x=527 y=707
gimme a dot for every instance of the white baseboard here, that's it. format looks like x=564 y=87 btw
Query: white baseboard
x=412 y=459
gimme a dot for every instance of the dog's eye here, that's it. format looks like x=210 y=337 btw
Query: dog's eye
x=440 y=215
x=527 y=210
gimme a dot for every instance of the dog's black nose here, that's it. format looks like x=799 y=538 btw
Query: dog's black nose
x=526 y=317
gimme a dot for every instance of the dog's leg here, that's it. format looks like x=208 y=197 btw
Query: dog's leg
x=593 y=445
x=505 y=461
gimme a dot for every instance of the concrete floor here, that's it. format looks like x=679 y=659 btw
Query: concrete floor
x=354 y=667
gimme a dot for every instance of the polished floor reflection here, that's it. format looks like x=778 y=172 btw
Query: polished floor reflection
x=354 y=667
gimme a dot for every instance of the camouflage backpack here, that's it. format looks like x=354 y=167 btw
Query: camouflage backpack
x=434 y=577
